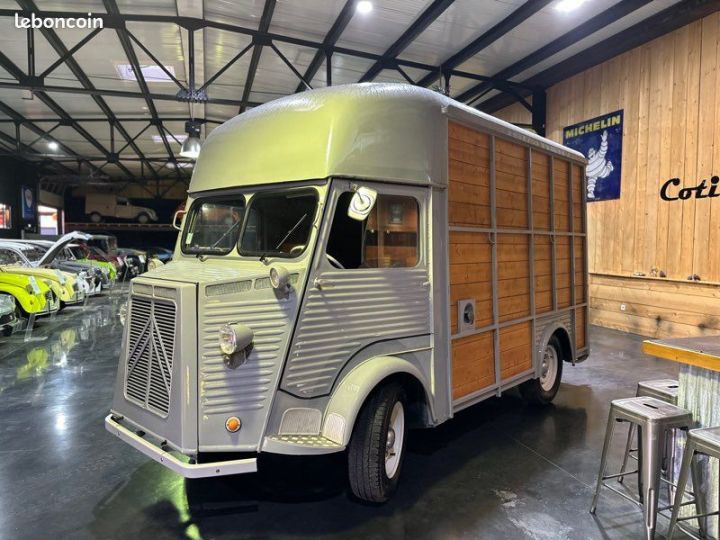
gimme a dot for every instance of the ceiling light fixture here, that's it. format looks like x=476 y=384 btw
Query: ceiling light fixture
x=52 y=145
x=364 y=7
x=191 y=146
x=568 y=5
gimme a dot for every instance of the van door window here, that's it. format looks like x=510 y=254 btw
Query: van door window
x=388 y=238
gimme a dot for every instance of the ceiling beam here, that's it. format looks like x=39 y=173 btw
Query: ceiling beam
x=520 y=15
x=10 y=150
x=420 y=24
x=37 y=87
x=122 y=34
x=62 y=51
x=331 y=38
x=263 y=27
x=580 y=32
x=672 y=18
x=40 y=132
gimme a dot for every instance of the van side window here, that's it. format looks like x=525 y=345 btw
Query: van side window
x=387 y=239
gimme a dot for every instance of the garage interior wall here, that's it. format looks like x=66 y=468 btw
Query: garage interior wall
x=669 y=90
x=15 y=174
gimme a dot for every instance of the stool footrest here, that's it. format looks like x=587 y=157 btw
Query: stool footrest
x=706 y=514
x=617 y=475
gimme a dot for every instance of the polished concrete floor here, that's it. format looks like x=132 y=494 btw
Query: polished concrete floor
x=498 y=470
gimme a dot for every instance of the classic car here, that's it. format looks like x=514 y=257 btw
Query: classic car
x=135 y=262
x=38 y=253
x=66 y=286
x=32 y=296
x=96 y=257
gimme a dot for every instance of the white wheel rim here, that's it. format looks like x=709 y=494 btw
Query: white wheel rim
x=548 y=368
x=394 y=440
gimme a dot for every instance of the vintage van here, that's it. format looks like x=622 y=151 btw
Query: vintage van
x=354 y=261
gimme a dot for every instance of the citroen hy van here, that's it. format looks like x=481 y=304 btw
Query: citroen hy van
x=354 y=261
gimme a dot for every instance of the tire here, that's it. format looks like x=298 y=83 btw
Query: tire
x=95 y=217
x=143 y=218
x=372 y=471
x=542 y=391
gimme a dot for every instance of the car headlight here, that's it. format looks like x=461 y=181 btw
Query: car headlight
x=7 y=303
x=235 y=338
x=228 y=339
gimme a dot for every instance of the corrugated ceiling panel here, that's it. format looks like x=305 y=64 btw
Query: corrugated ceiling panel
x=608 y=31
x=458 y=25
x=310 y=19
x=245 y=13
x=376 y=31
x=543 y=27
x=274 y=78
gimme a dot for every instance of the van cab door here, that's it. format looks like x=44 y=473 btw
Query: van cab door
x=369 y=290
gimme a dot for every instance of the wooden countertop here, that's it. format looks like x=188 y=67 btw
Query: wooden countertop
x=702 y=352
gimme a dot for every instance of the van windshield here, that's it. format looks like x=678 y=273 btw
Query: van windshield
x=278 y=223
x=272 y=224
x=214 y=226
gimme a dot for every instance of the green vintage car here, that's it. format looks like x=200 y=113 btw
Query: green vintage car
x=82 y=254
x=32 y=296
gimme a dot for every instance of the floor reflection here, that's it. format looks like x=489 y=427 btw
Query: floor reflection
x=498 y=470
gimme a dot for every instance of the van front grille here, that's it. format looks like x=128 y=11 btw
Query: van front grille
x=151 y=343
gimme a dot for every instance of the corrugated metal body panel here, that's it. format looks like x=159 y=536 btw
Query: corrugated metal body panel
x=352 y=310
x=247 y=390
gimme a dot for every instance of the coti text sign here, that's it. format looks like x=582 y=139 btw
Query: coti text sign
x=33 y=21
x=704 y=190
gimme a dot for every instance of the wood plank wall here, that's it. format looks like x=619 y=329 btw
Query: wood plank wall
x=471 y=252
x=669 y=89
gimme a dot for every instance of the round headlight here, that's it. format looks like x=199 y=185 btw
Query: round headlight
x=228 y=339
x=279 y=277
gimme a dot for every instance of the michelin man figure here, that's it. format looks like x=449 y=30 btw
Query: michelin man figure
x=598 y=166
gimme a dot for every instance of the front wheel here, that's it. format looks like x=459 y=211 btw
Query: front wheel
x=143 y=218
x=542 y=390
x=377 y=446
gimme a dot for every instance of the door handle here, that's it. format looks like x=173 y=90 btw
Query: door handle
x=322 y=284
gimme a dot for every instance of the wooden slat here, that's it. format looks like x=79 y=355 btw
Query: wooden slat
x=473 y=364
x=515 y=349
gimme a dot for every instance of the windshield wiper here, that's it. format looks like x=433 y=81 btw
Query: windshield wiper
x=230 y=229
x=264 y=255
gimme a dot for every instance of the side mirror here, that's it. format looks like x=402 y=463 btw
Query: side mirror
x=362 y=203
x=177 y=223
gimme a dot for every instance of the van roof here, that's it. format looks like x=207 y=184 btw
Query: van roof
x=379 y=131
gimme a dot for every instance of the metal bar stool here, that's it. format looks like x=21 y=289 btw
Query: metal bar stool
x=665 y=390
x=699 y=441
x=655 y=419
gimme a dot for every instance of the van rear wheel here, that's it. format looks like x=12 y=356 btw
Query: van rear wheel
x=543 y=390
x=377 y=446
x=95 y=217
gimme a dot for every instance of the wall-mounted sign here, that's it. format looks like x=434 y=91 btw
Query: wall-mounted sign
x=28 y=203
x=704 y=190
x=600 y=141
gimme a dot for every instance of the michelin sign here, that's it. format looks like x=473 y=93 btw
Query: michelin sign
x=600 y=141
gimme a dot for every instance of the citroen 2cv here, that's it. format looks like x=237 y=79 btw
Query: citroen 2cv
x=354 y=261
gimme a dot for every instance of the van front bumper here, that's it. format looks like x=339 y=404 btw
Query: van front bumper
x=188 y=470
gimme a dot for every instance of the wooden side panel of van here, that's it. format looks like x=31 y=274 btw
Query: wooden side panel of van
x=539 y=260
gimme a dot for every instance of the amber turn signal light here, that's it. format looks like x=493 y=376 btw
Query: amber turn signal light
x=233 y=424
